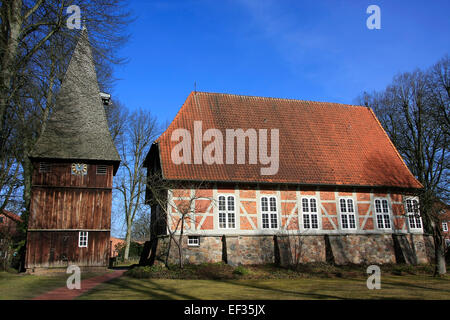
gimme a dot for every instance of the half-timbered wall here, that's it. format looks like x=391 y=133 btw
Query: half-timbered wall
x=290 y=215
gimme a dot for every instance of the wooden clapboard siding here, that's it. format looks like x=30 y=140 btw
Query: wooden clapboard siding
x=62 y=204
x=60 y=175
x=70 y=209
x=50 y=249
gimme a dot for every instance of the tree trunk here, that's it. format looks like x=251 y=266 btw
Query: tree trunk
x=127 y=242
x=439 y=251
x=27 y=176
x=180 y=241
x=166 y=262
x=9 y=54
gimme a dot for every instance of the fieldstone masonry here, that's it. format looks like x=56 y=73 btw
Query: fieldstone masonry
x=295 y=249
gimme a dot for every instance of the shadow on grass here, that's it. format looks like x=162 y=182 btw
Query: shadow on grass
x=149 y=288
x=125 y=283
x=306 y=295
x=401 y=283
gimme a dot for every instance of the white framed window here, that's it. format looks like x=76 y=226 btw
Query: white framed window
x=347 y=212
x=193 y=241
x=83 y=239
x=444 y=226
x=413 y=214
x=382 y=214
x=269 y=212
x=227 y=215
x=310 y=213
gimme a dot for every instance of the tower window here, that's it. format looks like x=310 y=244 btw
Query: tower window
x=83 y=239
x=102 y=169
x=45 y=167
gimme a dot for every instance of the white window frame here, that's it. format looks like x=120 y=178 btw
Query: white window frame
x=445 y=229
x=193 y=241
x=83 y=237
x=272 y=215
x=349 y=216
x=382 y=214
x=413 y=219
x=227 y=214
x=307 y=215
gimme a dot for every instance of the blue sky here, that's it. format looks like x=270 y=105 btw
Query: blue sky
x=311 y=50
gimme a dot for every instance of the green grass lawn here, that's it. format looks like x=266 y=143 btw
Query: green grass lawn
x=392 y=287
x=15 y=286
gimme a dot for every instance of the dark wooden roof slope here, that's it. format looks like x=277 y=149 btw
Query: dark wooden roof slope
x=320 y=143
x=78 y=128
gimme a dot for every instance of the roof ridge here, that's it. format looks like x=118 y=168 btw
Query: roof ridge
x=274 y=98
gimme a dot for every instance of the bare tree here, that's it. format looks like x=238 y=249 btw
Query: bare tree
x=174 y=204
x=35 y=47
x=414 y=112
x=142 y=129
x=140 y=230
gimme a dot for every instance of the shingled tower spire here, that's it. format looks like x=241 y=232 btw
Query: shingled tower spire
x=77 y=128
x=74 y=161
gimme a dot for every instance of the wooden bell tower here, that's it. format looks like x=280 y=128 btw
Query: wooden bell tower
x=74 y=162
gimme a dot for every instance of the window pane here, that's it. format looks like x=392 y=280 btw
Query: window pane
x=273 y=204
x=305 y=205
x=380 y=224
x=343 y=206
x=350 y=205
x=409 y=207
x=418 y=222
x=351 y=218
x=306 y=224
x=273 y=220
x=387 y=222
x=231 y=203
x=231 y=220
x=412 y=222
x=265 y=220
x=222 y=203
x=264 y=204
x=314 y=221
x=313 y=205
x=222 y=220
x=377 y=206
x=385 y=206
x=344 y=221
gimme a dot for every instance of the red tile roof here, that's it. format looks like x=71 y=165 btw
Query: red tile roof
x=320 y=143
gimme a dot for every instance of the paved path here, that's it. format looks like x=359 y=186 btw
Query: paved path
x=65 y=294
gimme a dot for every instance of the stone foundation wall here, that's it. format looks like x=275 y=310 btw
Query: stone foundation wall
x=288 y=250
x=367 y=249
